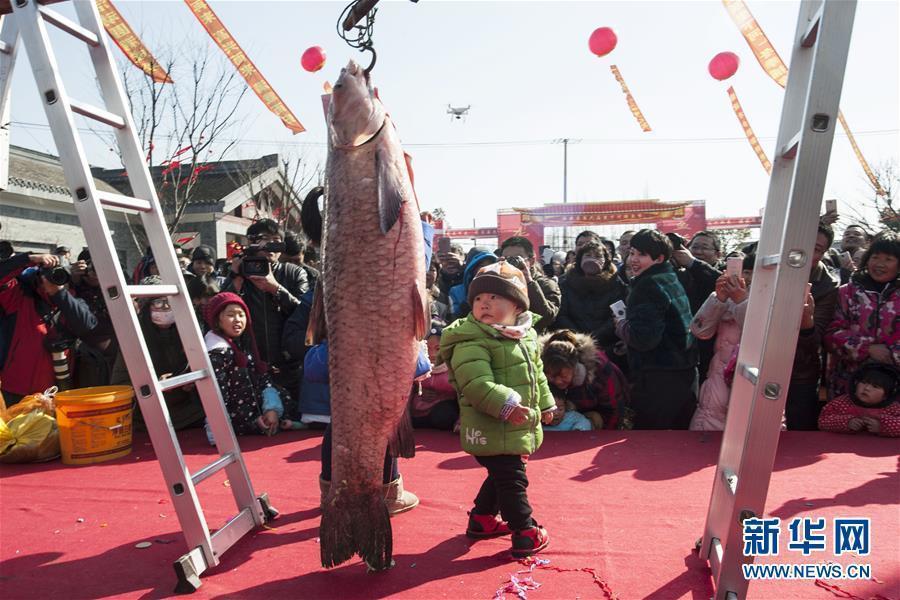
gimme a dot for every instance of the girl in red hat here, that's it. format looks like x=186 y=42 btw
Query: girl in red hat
x=253 y=403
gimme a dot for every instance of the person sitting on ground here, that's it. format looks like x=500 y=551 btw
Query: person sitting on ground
x=495 y=366
x=872 y=405
x=866 y=325
x=253 y=404
x=436 y=405
x=544 y=295
x=587 y=386
x=721 y=317
x=662 y=354
x=588 y=291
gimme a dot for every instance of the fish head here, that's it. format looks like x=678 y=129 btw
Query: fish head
x=356 y=113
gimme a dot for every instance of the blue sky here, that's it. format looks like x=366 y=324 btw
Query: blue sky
x=526 y=70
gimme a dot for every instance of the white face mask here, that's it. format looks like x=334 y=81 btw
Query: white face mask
x=163 y=318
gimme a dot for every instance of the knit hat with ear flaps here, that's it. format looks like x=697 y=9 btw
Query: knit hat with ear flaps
x=211 y=312
x=502 y=279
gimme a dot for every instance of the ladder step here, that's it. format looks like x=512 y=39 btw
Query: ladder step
x=715 y=557
x=98 y=114
x=181 y=380
x=69 y=26
x=750 y=373
x=152 y=291
x=120 y=201
x=232 y=531
x=789 y=152
x=213 y=468
x=5 y=48
x=808 y=39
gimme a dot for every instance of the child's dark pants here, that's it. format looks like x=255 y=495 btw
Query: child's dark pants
x=504 y=491
x=391 y=471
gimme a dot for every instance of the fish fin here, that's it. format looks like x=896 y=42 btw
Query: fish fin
x=390 y=198
x=420 y=310
x=355 y=522
x=316 y=330
x=310 y=217
x=403 y=443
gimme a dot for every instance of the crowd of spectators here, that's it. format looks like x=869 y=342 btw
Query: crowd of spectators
x=639 y=332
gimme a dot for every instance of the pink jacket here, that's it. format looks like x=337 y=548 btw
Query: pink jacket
x=867 y=313
x=725 y=321
x=837 y=414
x=435 y=389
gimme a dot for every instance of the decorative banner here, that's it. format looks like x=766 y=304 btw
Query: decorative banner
x=223 y=38
x=129 y=43
x=865 y=165
x=776 y=69
x=748 y=131
x=603 y=213
x=630 y=99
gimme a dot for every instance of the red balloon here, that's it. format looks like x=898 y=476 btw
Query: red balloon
x=313 y=59
x=603 y=41
x=724 y=65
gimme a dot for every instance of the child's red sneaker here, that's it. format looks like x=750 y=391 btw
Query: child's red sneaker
x=529 y=541
x=486 y=526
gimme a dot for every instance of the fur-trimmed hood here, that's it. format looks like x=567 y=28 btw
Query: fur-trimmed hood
x=587 y=353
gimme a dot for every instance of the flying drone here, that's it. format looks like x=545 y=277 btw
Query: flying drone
x=458 y=113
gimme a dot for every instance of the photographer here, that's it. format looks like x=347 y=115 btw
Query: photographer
x=544 y=296
x=40 y=311
x=272 y=291
x=96 y=351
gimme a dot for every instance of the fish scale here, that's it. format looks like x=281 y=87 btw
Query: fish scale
x=370 y=280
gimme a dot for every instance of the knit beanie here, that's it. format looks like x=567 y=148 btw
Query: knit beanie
x=502 y=279
x=211 y=313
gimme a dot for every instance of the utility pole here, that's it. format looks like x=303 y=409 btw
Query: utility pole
x=565 y=143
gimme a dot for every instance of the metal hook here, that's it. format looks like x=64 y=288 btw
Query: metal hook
x=374 y=58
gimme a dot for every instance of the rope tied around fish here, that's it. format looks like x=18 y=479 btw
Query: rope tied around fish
x=359 y=36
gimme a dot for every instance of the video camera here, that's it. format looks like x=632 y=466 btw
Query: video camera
x=253 y=264
x=60 y=275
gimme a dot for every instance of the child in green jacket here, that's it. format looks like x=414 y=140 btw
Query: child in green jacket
x=495 y=364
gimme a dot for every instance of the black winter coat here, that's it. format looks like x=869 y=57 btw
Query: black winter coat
x=585 y=306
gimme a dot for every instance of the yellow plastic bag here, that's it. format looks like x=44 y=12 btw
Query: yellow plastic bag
x=29 y=437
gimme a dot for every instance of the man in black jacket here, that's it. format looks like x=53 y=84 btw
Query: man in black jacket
x=544 y=296
x=271 y=297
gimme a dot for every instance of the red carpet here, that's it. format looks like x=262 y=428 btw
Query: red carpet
x=627 y=505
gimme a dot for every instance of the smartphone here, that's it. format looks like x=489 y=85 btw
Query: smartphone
x=618 y=309
x=444 y=244
x=831 y=206
x=734 y=266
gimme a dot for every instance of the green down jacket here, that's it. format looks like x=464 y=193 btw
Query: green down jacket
x=485 y=367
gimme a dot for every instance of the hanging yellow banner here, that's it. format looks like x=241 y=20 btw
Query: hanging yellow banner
x=129 y=43
x=748 y=131
x=776 y=69
x=865 y=165
x=223 y=38
x=630 y=99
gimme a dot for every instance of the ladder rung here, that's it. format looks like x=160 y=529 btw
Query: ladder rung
x=808 y=39
x=750 y=373
x=5 y=48
x=789 y=151
x=180 y=380
x=152 y=291
x=120 y=201
x=715 y=557
x=98 y=114
x=232 y=531
x=730 y=480
x=69 y=26
x=213 y=468
x=772 y=260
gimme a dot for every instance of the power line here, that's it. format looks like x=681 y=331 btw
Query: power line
x=500 y=143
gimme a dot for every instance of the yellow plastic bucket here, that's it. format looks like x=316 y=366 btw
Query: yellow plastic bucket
x=94 y=423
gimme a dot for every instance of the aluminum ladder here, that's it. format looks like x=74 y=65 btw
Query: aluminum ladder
x=768 y=345
x=28 y=21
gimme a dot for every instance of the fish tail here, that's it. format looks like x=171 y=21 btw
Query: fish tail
x=356 y=523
